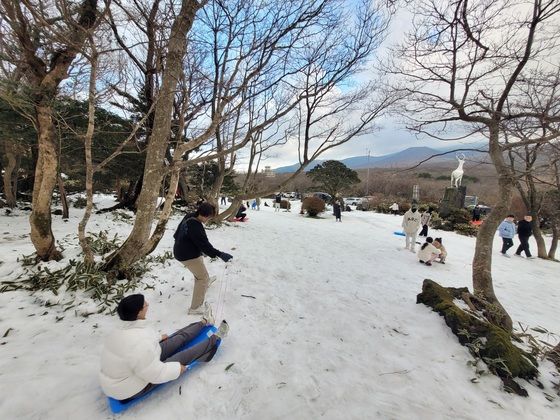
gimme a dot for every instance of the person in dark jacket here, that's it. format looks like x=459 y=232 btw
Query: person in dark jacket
x=476 y=214
x=191 y=243
x=241 y=213
x=336 y=211
x=277 y=202
x=524 y=232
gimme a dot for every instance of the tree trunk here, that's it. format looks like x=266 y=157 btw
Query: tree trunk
x=88 y=140
x=45 y=181
x=554 y=243
x=63 y=198
x=45 y=82
x=183 y=185
x=137 y=245
x=159 y=231
x=482 y=262
x=15 y=175
x=7 y=177
x=214 y=194
x=229 y=212
x=537 y=233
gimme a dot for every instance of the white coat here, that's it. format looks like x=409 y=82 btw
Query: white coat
x=411 y=222
x=426 y=253
x=131 y=360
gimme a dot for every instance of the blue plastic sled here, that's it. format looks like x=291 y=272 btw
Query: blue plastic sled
x=118 y=407
x=399 y=233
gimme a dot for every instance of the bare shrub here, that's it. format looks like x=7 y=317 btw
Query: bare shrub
x=313 y=206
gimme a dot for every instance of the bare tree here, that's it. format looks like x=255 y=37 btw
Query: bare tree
x=461 y=68
x=48 y=39
x=267 y=57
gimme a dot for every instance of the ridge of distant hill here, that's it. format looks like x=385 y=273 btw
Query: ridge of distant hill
x=406 y=157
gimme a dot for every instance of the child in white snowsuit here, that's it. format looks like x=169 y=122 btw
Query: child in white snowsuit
x=410 y=225
x=439 y=245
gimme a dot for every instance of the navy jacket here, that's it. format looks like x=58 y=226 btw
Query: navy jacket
x=524 y=228
x=191 y=240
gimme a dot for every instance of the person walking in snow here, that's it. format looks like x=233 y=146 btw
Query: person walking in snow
x=428 y=252
x=277 y=202
x=191 y=243
x=410 y=225
x=223 y=200
x=443 y=252
x=135 y=358
x=394 y=208
x=524 y=232
x=507 y=232
x=424 y=221
x=254 y=204
x=258 y=201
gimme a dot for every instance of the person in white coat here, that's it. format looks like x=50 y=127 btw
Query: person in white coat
x=428 y=252
x=135 y=358
x=410 y=225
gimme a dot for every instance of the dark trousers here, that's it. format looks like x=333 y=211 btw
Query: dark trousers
x=203 y=351
x=507 y=244
x=523 y=246
x=424 y=231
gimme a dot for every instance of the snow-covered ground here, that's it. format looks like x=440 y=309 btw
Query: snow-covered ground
x=328 y=327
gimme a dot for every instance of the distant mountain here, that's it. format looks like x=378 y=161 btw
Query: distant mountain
x=407 y=157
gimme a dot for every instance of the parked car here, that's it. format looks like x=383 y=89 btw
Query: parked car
x=366 y=203
x=352 y=201
x=327 y=198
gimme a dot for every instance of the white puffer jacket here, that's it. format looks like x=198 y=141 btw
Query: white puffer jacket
x=130 y=361
x=426 y=253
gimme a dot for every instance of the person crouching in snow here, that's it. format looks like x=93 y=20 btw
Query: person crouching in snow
x=135 y=358
x=428 y=252
x=443 y=252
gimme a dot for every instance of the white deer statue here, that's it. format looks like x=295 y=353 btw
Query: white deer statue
x=457 y=174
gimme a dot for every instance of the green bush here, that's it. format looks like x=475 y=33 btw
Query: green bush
x=80 y=202
x=457 y=221
x=424 y=175
x=383 y=208
x=433 y=206
x=466 y=229
x=313 y=206
x=436 y=221
x=458 y=216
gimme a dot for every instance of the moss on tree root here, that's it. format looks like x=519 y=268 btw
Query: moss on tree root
x=497 y=350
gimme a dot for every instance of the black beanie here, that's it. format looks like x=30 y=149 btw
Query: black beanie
x=129 y=307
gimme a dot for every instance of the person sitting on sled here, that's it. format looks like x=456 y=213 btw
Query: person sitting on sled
x=241 y=215
x=135 y=358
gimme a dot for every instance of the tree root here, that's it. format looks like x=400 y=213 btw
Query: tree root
x=484 y=339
